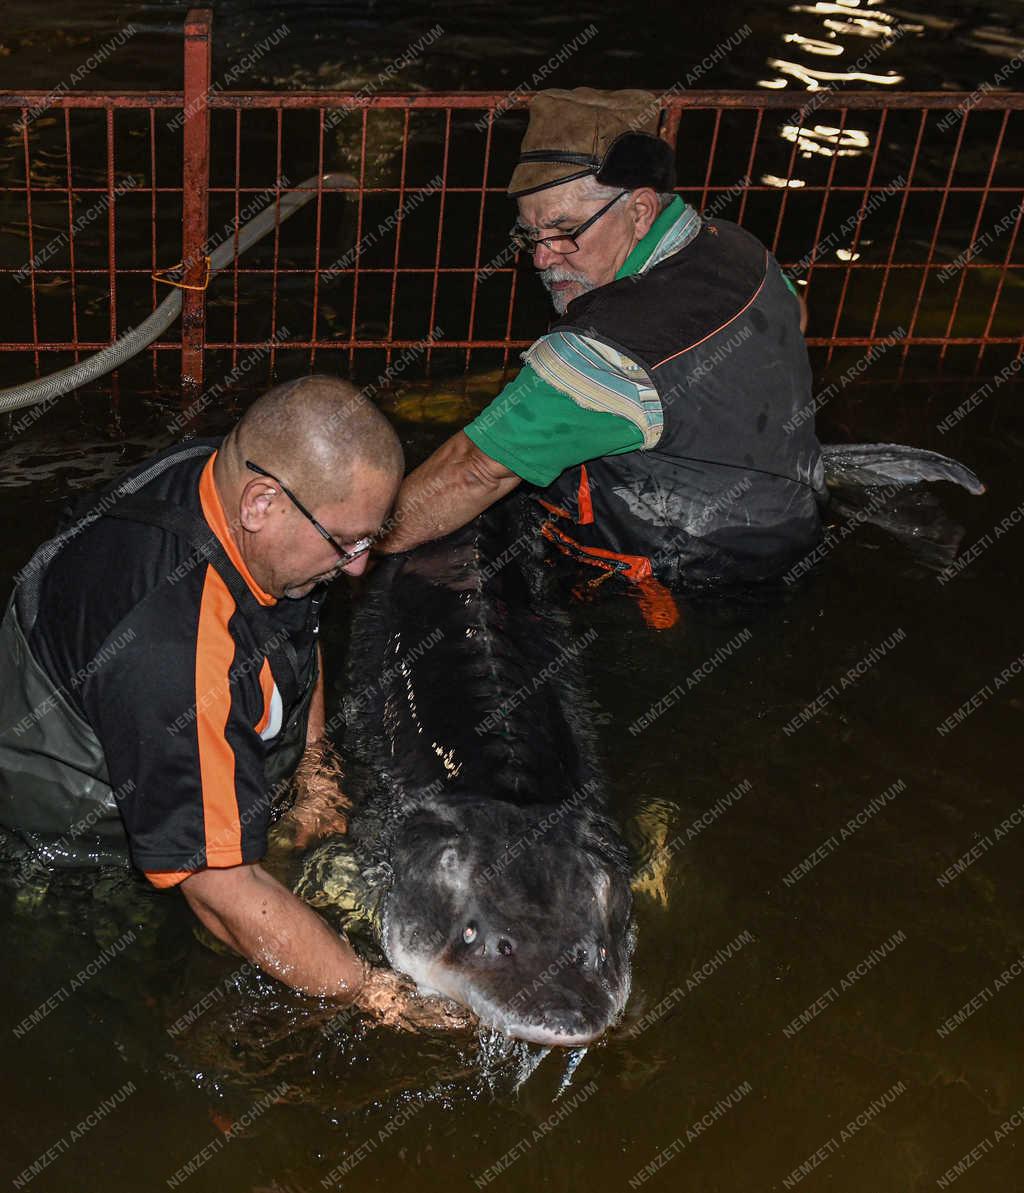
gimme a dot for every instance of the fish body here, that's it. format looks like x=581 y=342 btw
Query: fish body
x=500 y=879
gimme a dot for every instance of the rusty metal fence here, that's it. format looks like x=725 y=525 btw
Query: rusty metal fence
x=899 y=213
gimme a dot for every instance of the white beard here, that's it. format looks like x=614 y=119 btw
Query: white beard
x=560 y=300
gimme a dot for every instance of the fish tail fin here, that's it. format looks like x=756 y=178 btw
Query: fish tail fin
x=893 y=463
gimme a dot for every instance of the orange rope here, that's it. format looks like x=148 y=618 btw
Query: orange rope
x=158 y=276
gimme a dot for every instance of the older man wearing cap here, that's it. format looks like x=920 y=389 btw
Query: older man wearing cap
x=656 y=415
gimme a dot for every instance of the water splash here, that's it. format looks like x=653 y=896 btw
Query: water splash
x=506 y=1063
x=573 y=1062
x=529 y=1059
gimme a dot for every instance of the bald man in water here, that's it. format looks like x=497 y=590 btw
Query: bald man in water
x=162 y=672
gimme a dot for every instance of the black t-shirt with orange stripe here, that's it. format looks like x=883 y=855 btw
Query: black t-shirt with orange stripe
x=143 y=637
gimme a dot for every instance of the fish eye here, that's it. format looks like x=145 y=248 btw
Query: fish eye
x=469 y=933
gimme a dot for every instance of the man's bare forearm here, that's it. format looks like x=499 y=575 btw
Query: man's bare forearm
x=254 y=914
x=447 y=490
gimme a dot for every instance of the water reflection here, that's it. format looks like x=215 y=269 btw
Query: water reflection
x=812 y=78
x=827 y=140
x=824 y=141
x=812 y=45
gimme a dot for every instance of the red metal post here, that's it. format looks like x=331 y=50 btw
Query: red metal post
x=195 y=195
x=670 y=128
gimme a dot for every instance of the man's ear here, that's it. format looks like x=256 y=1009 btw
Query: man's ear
x=257 y=504
x=644 y=210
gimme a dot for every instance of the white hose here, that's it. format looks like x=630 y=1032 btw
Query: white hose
x=134 y=341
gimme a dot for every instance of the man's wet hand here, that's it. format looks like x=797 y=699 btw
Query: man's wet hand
x=395 y=1002
x=320 y=803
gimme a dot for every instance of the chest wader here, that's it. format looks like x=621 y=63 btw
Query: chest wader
x=731 y=490
x=55 y=793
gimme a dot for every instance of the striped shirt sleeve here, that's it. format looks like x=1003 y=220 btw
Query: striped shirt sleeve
x=597 y=377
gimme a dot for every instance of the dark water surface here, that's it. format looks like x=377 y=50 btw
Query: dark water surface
x=345 y=45
x=799 y=963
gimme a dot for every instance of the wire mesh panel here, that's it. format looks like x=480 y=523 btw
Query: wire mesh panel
x=901 y=228
x=898 y=214
x=87 y=199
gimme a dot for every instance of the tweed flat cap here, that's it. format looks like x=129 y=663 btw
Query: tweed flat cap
x=612 y=135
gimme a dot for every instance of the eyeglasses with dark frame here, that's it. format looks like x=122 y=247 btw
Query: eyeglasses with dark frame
x=527 y=244
x=347 y=557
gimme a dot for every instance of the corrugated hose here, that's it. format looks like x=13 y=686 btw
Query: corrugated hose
x=133 y=342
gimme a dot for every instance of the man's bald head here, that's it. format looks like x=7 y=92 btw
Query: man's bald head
x=317 y=433
x=336 y=453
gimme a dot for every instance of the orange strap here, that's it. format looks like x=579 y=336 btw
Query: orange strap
x=657 y=604
x=633 y=567
x=158 y=276
x=583 y=504
x=557 y=510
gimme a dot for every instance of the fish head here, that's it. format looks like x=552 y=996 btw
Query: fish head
x=519 y=913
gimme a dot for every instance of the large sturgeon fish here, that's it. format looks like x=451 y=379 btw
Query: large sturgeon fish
x=500 y=881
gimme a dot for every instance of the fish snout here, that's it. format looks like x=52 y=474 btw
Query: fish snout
x=567 y=1011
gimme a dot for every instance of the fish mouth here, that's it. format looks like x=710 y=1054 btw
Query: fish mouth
x=571 y=1014
x=549 y=1035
